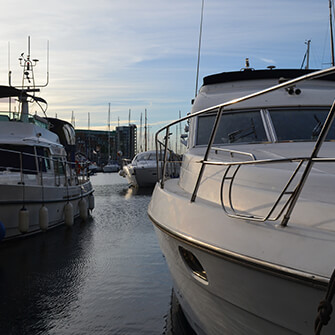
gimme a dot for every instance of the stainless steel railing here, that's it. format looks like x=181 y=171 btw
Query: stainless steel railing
x=16 y=165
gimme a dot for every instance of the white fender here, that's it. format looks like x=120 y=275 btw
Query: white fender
x=23 y=220
x=44 y=218
x=68 y=214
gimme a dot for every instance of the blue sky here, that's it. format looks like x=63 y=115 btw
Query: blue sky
x=142 y=54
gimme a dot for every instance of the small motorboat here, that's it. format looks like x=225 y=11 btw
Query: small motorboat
x=142 y=171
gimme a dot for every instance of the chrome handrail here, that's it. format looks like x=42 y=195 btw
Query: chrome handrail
x=232 y=152
x=219 y=110
x=73 y=177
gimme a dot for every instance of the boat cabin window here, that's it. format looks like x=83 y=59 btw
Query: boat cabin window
x=11 y=157
x=236 y=127
x=59 y=166
x=300 y=124
x=146 y=157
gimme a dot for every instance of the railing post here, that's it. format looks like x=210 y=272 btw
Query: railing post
x=210 y=143
x=165 y=155
x=157 y=157
x=21 y=168
x=317 y=147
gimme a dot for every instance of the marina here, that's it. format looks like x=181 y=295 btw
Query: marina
x=104 y=276
x=218 y=221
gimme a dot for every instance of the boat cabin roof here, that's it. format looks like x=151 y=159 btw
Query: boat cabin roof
x=251 y=74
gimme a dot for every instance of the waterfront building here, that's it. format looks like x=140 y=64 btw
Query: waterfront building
x=94 y=143
x=126 y=141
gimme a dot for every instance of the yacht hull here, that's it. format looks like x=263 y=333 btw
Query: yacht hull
x=110 y=168
x=239 y=299
x=241 y=295
x=140 y=176
x=31 y=197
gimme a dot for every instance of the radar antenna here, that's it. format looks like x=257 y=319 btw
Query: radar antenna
x=28 y=79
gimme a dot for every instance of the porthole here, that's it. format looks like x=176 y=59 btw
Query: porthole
x=193 y=264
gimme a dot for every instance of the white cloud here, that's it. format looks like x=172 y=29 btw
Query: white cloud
x=142 y=54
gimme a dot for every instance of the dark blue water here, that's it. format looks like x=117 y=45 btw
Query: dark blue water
x=105 y=276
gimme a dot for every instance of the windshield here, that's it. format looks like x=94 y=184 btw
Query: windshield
x=300 y=124
x=237 y=127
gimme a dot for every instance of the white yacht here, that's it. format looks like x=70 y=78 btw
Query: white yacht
x=248 y=230
x=142 y=171
x=41 y=186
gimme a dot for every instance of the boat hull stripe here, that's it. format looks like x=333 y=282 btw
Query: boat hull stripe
x=274 y=269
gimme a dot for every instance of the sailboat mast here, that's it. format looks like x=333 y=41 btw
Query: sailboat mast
x=89 y=135
x=145 y=132
x=331 y=32
x=179 y=133
x=109 y=128
x=141 y=144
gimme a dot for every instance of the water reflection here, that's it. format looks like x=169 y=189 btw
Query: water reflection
x=48 y=266
x=176 y=323
x=106 y=276
x=133 y=191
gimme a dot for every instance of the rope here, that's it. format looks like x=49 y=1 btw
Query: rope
x=325 y=307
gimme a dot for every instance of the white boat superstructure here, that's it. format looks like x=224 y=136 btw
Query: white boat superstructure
x=248 y=230
x=40 y=184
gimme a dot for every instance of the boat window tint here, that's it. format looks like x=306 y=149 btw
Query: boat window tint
x=11 y=156
x=59 y=166
x=41 y=152
x=300 y=124
x=143 y=157
x=237 y=127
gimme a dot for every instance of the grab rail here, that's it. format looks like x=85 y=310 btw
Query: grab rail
x=219 y=109
x=61 y=169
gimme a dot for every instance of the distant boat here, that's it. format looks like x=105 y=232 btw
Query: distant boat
x=142 y=171
x=111 y=167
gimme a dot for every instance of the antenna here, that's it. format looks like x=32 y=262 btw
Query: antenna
x=28 y=64
x=200 y=35
x=306 y=56
x=331 y=32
